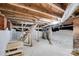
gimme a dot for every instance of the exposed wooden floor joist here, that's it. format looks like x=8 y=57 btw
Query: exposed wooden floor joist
x=45 y=7
x=35 y=12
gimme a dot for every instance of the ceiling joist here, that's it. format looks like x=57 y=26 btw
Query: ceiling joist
x=17 y=15
x=35 y=12
x=45 y=7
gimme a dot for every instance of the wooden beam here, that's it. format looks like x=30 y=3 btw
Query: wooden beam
x=53 y=9
x=57 y=10
x=69 y=21
x=14 y=13
x=56 y=7
x=45 y=7
x=20 y=27
x=76 y=21
x=10 y=14
x=76 y=36
x=35 y=12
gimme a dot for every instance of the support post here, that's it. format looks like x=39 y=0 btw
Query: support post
x=49 y=33
x=76 y=36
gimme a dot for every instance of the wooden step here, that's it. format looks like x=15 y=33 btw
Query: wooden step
x=75 y=53
x=14 y=48
x=14 y=45
x=14 y=52
x=18 y=55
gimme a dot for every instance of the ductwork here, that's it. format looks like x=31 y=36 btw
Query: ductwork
x=68 y=12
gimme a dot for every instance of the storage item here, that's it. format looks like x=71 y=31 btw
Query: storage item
x=14 y=48
x=75 y=53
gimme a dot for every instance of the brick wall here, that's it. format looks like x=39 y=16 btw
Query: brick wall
x=3 y=22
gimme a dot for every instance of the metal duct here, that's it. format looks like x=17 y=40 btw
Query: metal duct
x=68 y=12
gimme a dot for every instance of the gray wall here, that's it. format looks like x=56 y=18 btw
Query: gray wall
x=15 y=34
x=5 y=37
x=35 y=34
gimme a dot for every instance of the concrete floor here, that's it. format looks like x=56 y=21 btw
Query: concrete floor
x=62 y=45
